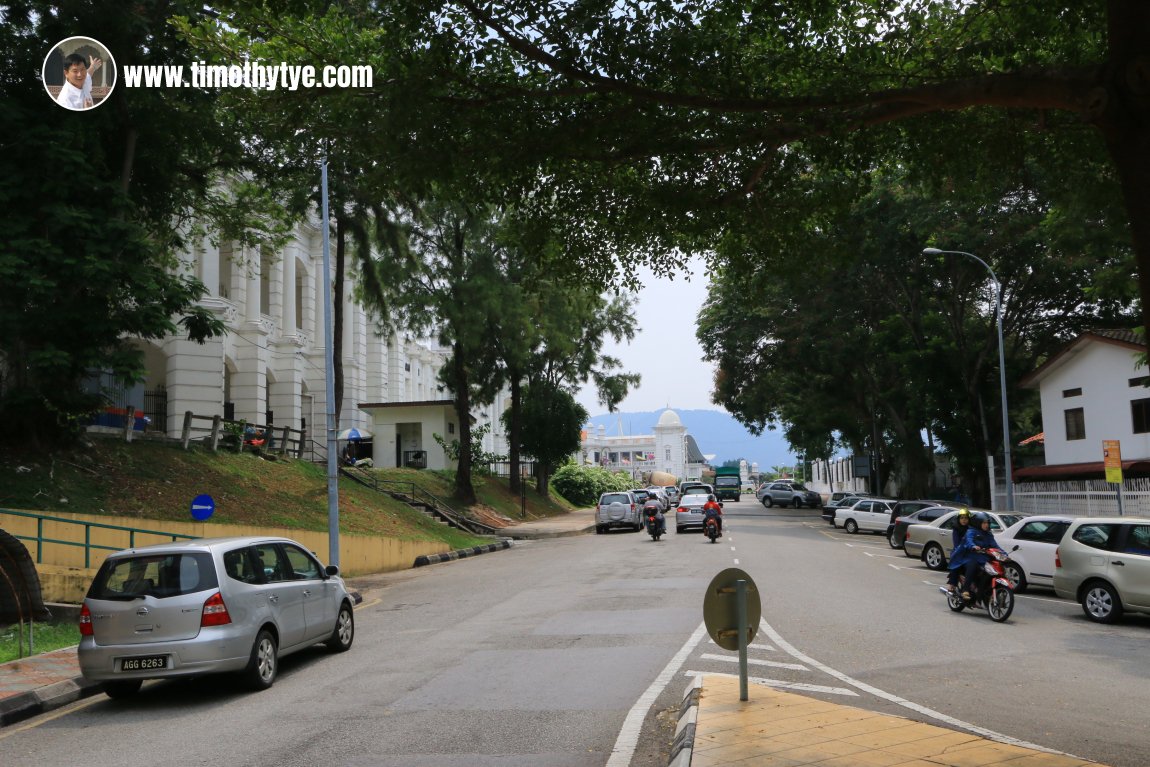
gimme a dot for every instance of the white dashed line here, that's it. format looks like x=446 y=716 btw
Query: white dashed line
x=754 y=661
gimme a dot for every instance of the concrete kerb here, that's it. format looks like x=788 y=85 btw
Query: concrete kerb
x=35 y=702
x=451 y=556
x=684 y=743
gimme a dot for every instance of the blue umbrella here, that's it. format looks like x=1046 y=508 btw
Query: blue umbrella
x=353 y=434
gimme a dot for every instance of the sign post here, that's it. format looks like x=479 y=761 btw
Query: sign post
x=1112 y=462
x=731 y=611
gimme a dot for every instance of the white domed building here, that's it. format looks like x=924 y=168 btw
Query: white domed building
x=670 y=449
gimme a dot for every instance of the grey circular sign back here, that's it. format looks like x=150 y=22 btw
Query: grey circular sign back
x=720 y=608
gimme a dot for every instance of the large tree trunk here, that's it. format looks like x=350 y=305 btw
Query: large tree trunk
x=464 y=491
x=513 y=434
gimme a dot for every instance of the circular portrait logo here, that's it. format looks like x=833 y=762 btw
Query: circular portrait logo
x=79 y=73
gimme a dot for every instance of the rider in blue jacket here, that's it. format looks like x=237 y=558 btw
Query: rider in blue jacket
x=971 y=553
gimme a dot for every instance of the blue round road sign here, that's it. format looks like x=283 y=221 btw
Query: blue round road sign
x=202 y=507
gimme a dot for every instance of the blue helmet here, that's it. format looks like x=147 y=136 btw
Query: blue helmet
x=978 y=518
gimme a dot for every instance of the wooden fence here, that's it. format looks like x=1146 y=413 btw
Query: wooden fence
x=215 y=431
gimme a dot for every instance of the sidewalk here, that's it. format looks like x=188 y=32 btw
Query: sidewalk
x=578 y=522
x=781 y=729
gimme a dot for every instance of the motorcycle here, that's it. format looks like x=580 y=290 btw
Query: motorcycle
x=991 y=589
x=654 y=526
x=711 y=529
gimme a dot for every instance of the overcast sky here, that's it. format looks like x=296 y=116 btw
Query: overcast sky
x=664 y=351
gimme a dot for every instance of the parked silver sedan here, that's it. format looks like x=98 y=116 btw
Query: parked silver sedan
x=933 y=542
x=206 y=606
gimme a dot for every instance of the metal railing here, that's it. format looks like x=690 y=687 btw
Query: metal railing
x=413 y=495
x=87 y=544
x=1082 y=498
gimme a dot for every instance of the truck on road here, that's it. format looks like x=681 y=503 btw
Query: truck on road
x=728 y=483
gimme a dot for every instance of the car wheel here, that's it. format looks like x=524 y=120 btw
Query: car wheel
x=1101 y=603
x=851 y=526
x=1015 y=575
x=768 y=501
x=344 y=632
x=598 y=529
x=263 y=665
x=797 y=502
x=678 y=530
x=933 y=557
x=120 y=690
x=893 y=540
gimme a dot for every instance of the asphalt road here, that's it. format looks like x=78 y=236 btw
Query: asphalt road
x=576 y=651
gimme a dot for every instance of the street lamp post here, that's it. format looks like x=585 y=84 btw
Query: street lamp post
x=1001 y=368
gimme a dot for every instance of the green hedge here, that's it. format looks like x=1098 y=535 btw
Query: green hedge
x=582 y=485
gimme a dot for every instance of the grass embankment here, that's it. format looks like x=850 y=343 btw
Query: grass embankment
x=157 y=481
x=45 y=638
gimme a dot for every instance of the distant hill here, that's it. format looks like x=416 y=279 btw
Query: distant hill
x=715 y=431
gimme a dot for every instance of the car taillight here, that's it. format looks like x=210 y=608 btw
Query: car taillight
x=215 y=612
x=1057 y=559
x=682 y=510
x=85 y=622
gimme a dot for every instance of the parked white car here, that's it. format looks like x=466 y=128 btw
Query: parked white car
x=1031 y=544
x=869 y=514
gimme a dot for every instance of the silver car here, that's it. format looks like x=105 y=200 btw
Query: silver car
x=934 y=542
x=206 y=606
x=1103 y=563
x=618 y=509
x=689 y=512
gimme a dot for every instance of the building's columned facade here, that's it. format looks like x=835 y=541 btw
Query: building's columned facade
x=269 y=367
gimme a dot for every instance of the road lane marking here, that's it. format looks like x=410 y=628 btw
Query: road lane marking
x=628 y=738
x=928 y=712
x=754 y=661
x=801 y=686
x=753 y=646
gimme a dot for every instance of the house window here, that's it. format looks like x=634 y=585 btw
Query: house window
x=1075 y=424
x=1072 y=392
x=668 y=454
x=1142 y=381
x=1140 y=415
x=450 y=428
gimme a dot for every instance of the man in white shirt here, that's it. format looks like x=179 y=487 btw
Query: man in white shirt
x=76 y=93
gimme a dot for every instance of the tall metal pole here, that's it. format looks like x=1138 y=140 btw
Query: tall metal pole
x=1008 y=468
x=329 y=375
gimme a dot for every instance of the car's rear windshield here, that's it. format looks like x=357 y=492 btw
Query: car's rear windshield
x=697 y=490
x=615 y=498
x=726 y=481
x=156 y=575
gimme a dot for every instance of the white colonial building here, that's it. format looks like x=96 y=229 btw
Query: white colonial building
x=269 y=368
x=1094 y=389
x=670 y=449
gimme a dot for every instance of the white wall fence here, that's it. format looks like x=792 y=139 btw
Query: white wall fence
x=1083 y=498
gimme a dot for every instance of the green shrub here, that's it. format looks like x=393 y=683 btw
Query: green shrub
x=582 y=485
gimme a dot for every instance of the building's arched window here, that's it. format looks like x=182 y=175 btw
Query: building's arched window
x=668 y=453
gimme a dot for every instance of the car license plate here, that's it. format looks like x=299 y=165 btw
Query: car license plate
x=144 y=663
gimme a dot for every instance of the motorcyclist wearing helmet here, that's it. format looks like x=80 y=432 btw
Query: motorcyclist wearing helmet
x=712 y=509
x=961 y=525
x=971 y=553
x=652 y=508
